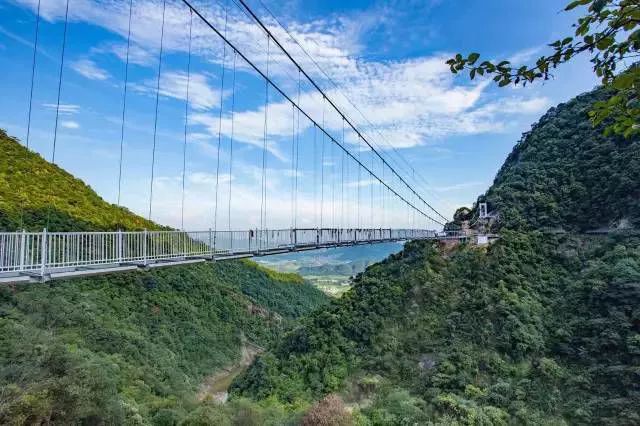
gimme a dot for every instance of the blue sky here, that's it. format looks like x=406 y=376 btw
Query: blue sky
x=386 y=57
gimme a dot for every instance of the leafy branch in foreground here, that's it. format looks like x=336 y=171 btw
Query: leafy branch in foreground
x=609 y=33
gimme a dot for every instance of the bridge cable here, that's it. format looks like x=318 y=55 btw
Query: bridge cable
x=342 y=210
x=371 y=187
x=186 y=121
x=124 y=101
x=322 y=168
x=316 y=124
x=263 y=201
x=155 y=119
x=233 y=108
x=293 y=165
x=313 y=82
x=359 y=178
x=295 y=216
x=55 y=130
x=33 y=73
x=224 y=59
x=315 y=174
x=340 y=89
x=333 y=186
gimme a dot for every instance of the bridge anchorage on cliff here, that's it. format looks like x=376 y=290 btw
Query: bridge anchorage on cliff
x=276 y=138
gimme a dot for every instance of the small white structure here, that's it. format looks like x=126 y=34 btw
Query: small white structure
x=483 y=240
x=484 y=213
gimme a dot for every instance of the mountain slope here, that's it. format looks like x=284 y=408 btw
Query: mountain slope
x=35 y=193
x=535 y=329
x=125 y=348
x=566 y=174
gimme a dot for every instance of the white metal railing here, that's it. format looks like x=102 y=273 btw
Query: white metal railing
x=39 y=253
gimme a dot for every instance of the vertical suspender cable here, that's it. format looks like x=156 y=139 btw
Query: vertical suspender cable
x=384 y=213
x=233 y=111
x=372 y=186
x=55 y=129
x=263 y=201
x=124 y=102
x=64 y=45
x=333 y=185
x=224 y=58
x=155 y=120
x=33 y=72
x=293 y=162
x=315 y=174
x=359 y=178
x=342 y=219
x=295 y=213
x=322 y=169
x=186 y=121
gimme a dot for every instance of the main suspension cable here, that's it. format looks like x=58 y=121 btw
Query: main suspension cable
x=155 y=120
x=269 y=81
x=333 y=105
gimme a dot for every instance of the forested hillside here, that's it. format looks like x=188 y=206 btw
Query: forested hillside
x=126 y=348
x=565 y=174
x=535 y=329
x=35 y=194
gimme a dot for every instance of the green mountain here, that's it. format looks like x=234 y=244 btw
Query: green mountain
x=565 y=174
x=535 y=329
x=127 y=348
x=35 y=194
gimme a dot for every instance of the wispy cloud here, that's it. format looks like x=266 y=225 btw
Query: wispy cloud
x=68 y=124
x=88 y=69
x=64 y=109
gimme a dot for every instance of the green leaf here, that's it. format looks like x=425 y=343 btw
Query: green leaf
x=473 y=57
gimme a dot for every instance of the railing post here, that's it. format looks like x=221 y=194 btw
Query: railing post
x=43 y=254
x=211 y=248
x=23 y=240
x=119 y=246
x=144 y=247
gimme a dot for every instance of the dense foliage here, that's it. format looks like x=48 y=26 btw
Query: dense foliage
x=539 y=329
x=35 y=194
x=127 y=348
x=565 y=174
x=134 y=347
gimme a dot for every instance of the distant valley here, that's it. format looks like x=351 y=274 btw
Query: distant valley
x=331 y=269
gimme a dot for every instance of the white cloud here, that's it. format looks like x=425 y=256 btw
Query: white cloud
x=63 y=109
x=68 y=124
x=88 y=69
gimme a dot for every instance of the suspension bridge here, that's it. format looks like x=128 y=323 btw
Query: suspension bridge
x=344 y=188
